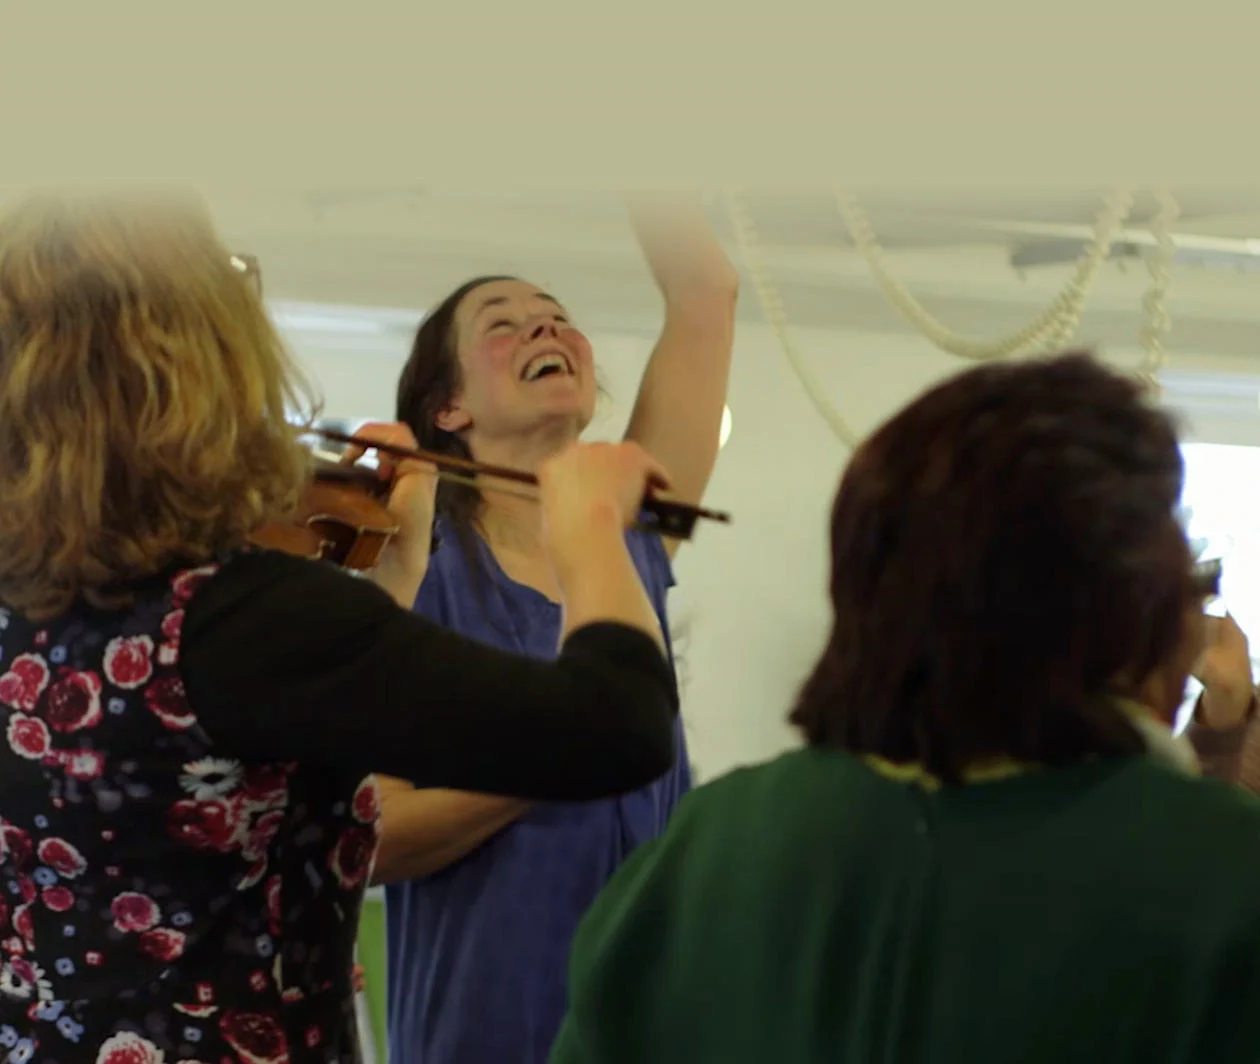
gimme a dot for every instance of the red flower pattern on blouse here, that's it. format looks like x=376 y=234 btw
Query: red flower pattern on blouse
x=25 y=681
x=15 y=845
x=163 y=943
x=61 y=857
x=58 y=899
x=214 y=824
x=134 y=912
x=129 y=661
x=74 y=702
x=267 y=786
x=80 y=764
x=351 y=859
x=98 y=726
x=28 y=737
x=257 y=1037
x=366 y=805
x=165 y=698
x=24 y=922
x=129 y=1048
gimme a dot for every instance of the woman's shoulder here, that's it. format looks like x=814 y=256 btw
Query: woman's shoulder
x=1216 y=811
x=1190 y=844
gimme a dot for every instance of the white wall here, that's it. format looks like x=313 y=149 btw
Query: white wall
x=753 y=595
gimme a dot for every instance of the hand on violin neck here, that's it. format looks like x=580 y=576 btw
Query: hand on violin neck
x=411 y=500
x=591 y=493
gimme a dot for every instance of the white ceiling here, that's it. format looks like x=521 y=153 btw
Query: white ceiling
x=405 y=246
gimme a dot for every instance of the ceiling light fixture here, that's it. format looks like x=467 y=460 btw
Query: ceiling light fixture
x=338 y=320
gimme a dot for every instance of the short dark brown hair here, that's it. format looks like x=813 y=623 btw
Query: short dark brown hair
x=1003 y=550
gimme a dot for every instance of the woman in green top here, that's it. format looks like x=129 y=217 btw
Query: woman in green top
x=991 y=850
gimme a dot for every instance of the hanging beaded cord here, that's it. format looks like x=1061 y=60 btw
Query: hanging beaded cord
x=1051 y=330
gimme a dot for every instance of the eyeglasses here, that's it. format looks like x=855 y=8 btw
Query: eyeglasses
x=1206 y=579
x=248 y=265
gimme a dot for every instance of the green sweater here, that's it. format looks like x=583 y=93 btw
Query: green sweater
x=813 y=910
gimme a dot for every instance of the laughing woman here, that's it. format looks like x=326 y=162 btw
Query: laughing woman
x=485 y=893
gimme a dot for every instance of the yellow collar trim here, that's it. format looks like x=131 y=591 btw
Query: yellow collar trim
x=1004 y=768
x=988 y=772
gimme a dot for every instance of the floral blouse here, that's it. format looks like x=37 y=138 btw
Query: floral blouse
x=187 y=813
x=162 y=901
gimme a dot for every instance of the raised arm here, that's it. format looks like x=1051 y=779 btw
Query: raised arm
x=677 y=416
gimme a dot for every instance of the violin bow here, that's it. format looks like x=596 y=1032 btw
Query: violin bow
x=659 y=515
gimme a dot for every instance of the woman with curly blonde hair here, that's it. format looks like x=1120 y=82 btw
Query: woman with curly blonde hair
x=187 y=813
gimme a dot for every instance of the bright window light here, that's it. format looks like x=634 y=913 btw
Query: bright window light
x=1224 y=522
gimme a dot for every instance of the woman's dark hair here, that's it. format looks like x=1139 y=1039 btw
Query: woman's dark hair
x=429 y=383
x=1004 y=551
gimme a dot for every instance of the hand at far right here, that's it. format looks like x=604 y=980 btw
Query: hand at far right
x=1224 y=669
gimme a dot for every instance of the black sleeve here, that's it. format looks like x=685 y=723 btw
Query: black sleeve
x=289 y=660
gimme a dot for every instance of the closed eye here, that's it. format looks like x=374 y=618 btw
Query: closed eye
x=505 y=323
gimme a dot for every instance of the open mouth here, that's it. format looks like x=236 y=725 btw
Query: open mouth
x=548 y=364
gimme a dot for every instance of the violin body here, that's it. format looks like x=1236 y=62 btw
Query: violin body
x=342 y=518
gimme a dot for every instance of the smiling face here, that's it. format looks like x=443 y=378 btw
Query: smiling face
x=524 y=367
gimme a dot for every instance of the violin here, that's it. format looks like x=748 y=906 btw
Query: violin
x=343 y=516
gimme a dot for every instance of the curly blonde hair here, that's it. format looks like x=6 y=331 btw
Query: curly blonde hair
x=143 y=398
